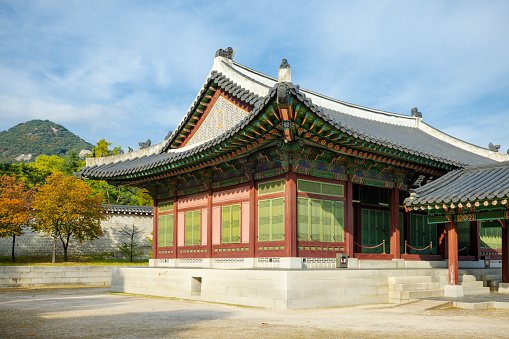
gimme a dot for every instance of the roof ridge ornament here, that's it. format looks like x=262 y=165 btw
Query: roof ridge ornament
x=416 y=113
x=493 y=148
x=227 y=53
x=284 y=64
x=284 y=73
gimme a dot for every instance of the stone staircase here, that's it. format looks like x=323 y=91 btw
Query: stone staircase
x=492 y=281
x=404 y=289
x=472 y=284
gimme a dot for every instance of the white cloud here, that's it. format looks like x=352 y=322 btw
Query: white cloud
x=126 y=71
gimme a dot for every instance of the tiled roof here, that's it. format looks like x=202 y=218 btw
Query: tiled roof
x=224 y=83
x=470 y=184
x=156 y=160
x=128 y=209
x=407 y=139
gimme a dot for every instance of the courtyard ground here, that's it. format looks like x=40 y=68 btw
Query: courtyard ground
x=97 y=313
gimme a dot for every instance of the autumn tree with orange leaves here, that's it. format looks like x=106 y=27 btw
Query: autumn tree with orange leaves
x=15 y=207
x=66 y=208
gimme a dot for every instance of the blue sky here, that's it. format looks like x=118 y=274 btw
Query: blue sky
x=129 y=70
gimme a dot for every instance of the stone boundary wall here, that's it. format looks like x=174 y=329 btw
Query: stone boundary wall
x=34 y=243
x=33 y=276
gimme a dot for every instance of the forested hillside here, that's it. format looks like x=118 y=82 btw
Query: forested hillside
x=24 y=142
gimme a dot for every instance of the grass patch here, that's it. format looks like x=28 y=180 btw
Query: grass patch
x=102 y=259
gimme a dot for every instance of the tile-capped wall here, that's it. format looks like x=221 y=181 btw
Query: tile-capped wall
x=33 y=243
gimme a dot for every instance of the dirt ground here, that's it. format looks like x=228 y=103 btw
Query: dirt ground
x=98 y=313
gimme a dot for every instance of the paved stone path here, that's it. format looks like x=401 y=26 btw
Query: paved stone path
x=97 y=313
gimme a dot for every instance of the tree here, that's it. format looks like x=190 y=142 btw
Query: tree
x=15 y=207
x=129 y=248
x=49 y=163
x=72 y=163
x=102 y=148
x=67 y=208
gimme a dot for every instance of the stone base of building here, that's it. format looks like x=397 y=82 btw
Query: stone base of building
x=304 y=263
x=276 y=287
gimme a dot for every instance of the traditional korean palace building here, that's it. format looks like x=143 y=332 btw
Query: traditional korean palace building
x=263 y=173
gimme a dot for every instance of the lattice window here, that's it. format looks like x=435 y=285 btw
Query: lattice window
x=230 y=224
x=165 y=206
x=193 y=228
x=270 y=187
x=165 y=227
x=317 y=187
x=271 y=223
x=320 y=220
x=491 y=235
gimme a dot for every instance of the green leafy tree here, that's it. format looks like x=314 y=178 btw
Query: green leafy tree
x=49 y=163
x=102 y=147
x=66 y=207
x=15 y=207
x=72 y=163
x=143 y=198
x=30 y=174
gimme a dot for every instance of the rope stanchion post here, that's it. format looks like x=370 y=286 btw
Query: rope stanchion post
x=383 y=246
x=431 y=247
x=405 y=247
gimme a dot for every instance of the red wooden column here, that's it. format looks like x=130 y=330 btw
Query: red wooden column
x=154 y=230
x=349 y=219
x=394 y=222
x=175 y=226
x=209 y=224
x=505 y=253
x=291 y=214
x=452 y=237
x=252 y=218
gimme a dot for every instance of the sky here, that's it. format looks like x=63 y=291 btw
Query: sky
x=128 y=71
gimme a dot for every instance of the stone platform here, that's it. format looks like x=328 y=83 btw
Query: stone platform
x=281 y=288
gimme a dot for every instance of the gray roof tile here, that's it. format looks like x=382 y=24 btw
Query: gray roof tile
x=468 y=184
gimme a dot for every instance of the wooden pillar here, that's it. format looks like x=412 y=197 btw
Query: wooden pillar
x=452 y=239
x=349 y=219
x=291 y=214
x=505 y=253
x=175 y=226
x=154 y=230
x=209 y=224
x=475 y=241
x=394 y=224
x=252 y=218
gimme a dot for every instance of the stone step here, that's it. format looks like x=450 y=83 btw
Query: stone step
x=410 y=279
x=492 y=283
x=407 y=295
x=414 y=286
x=467 y=277
x=476 y=290
x=472 y=284
x=487 y=277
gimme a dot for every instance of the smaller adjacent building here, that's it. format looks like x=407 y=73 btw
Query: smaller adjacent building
x=474 y=196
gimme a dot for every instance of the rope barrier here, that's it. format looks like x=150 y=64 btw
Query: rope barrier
x=417 y=249
x=463 y=248
x=368 y=247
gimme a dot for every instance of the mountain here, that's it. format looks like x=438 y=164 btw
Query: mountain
x=24 y=142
